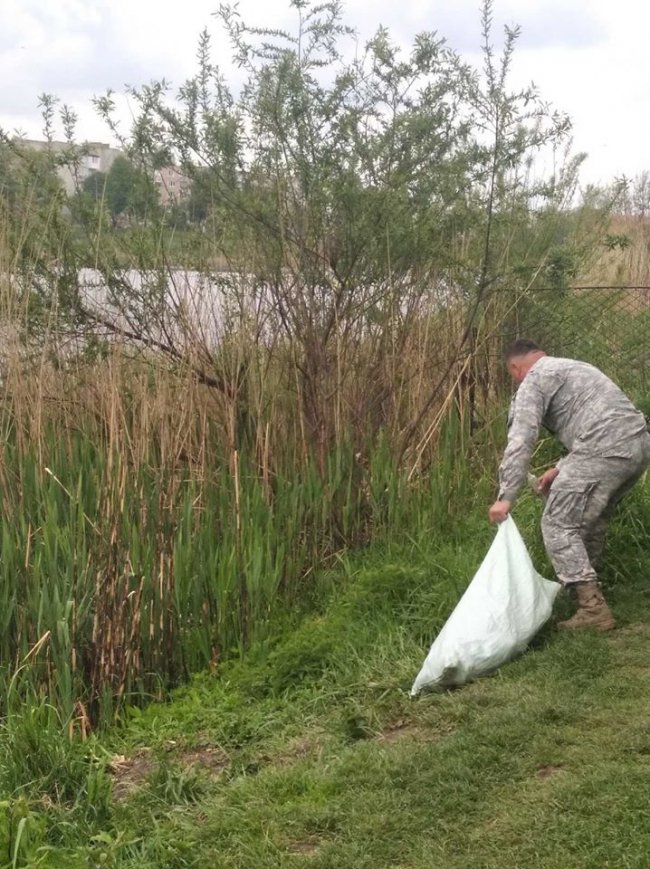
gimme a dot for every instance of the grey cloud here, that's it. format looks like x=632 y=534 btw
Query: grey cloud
x=107 y=63
x=107 y=68
x=101 y=62
x=98 y=62
x=545 y=24
x=77 y=78
x=561 y=25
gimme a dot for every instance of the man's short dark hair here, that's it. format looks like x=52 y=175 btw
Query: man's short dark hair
x=521 y=347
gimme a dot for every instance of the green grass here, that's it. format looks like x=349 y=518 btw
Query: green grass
x=309 y=752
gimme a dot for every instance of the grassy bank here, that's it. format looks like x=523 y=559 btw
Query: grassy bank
x=309 y=752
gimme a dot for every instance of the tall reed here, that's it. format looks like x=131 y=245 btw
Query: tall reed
x=138 y=546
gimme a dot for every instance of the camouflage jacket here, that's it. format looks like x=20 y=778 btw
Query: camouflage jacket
x=586 y=411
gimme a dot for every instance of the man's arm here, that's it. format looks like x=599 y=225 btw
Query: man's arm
x=529 y=410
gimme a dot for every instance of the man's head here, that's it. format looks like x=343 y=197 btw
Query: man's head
x=521 y=355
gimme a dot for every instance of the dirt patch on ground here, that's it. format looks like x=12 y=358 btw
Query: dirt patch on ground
x=295 y=750
x=548 y=772
x=399 y=730
x=205 y=757
x=304 y=847
x=130 y=773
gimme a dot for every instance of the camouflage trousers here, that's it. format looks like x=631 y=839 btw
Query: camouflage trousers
x=581 y=503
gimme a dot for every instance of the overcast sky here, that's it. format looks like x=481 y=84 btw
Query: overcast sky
x=588 y=57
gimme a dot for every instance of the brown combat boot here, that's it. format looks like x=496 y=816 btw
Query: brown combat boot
x=592 y=611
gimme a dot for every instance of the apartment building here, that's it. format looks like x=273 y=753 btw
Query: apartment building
x=95 y=157
x=173 y=186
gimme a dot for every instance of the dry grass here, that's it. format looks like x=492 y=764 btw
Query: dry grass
x=629 y=266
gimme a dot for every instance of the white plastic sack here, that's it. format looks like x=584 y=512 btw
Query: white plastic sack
x=502 y=609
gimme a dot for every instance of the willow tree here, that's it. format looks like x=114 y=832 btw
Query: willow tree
x=348 y=199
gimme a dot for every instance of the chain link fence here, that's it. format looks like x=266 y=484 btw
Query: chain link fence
x=608 y=326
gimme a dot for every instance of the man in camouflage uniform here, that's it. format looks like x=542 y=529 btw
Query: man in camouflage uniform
x=608 y=450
